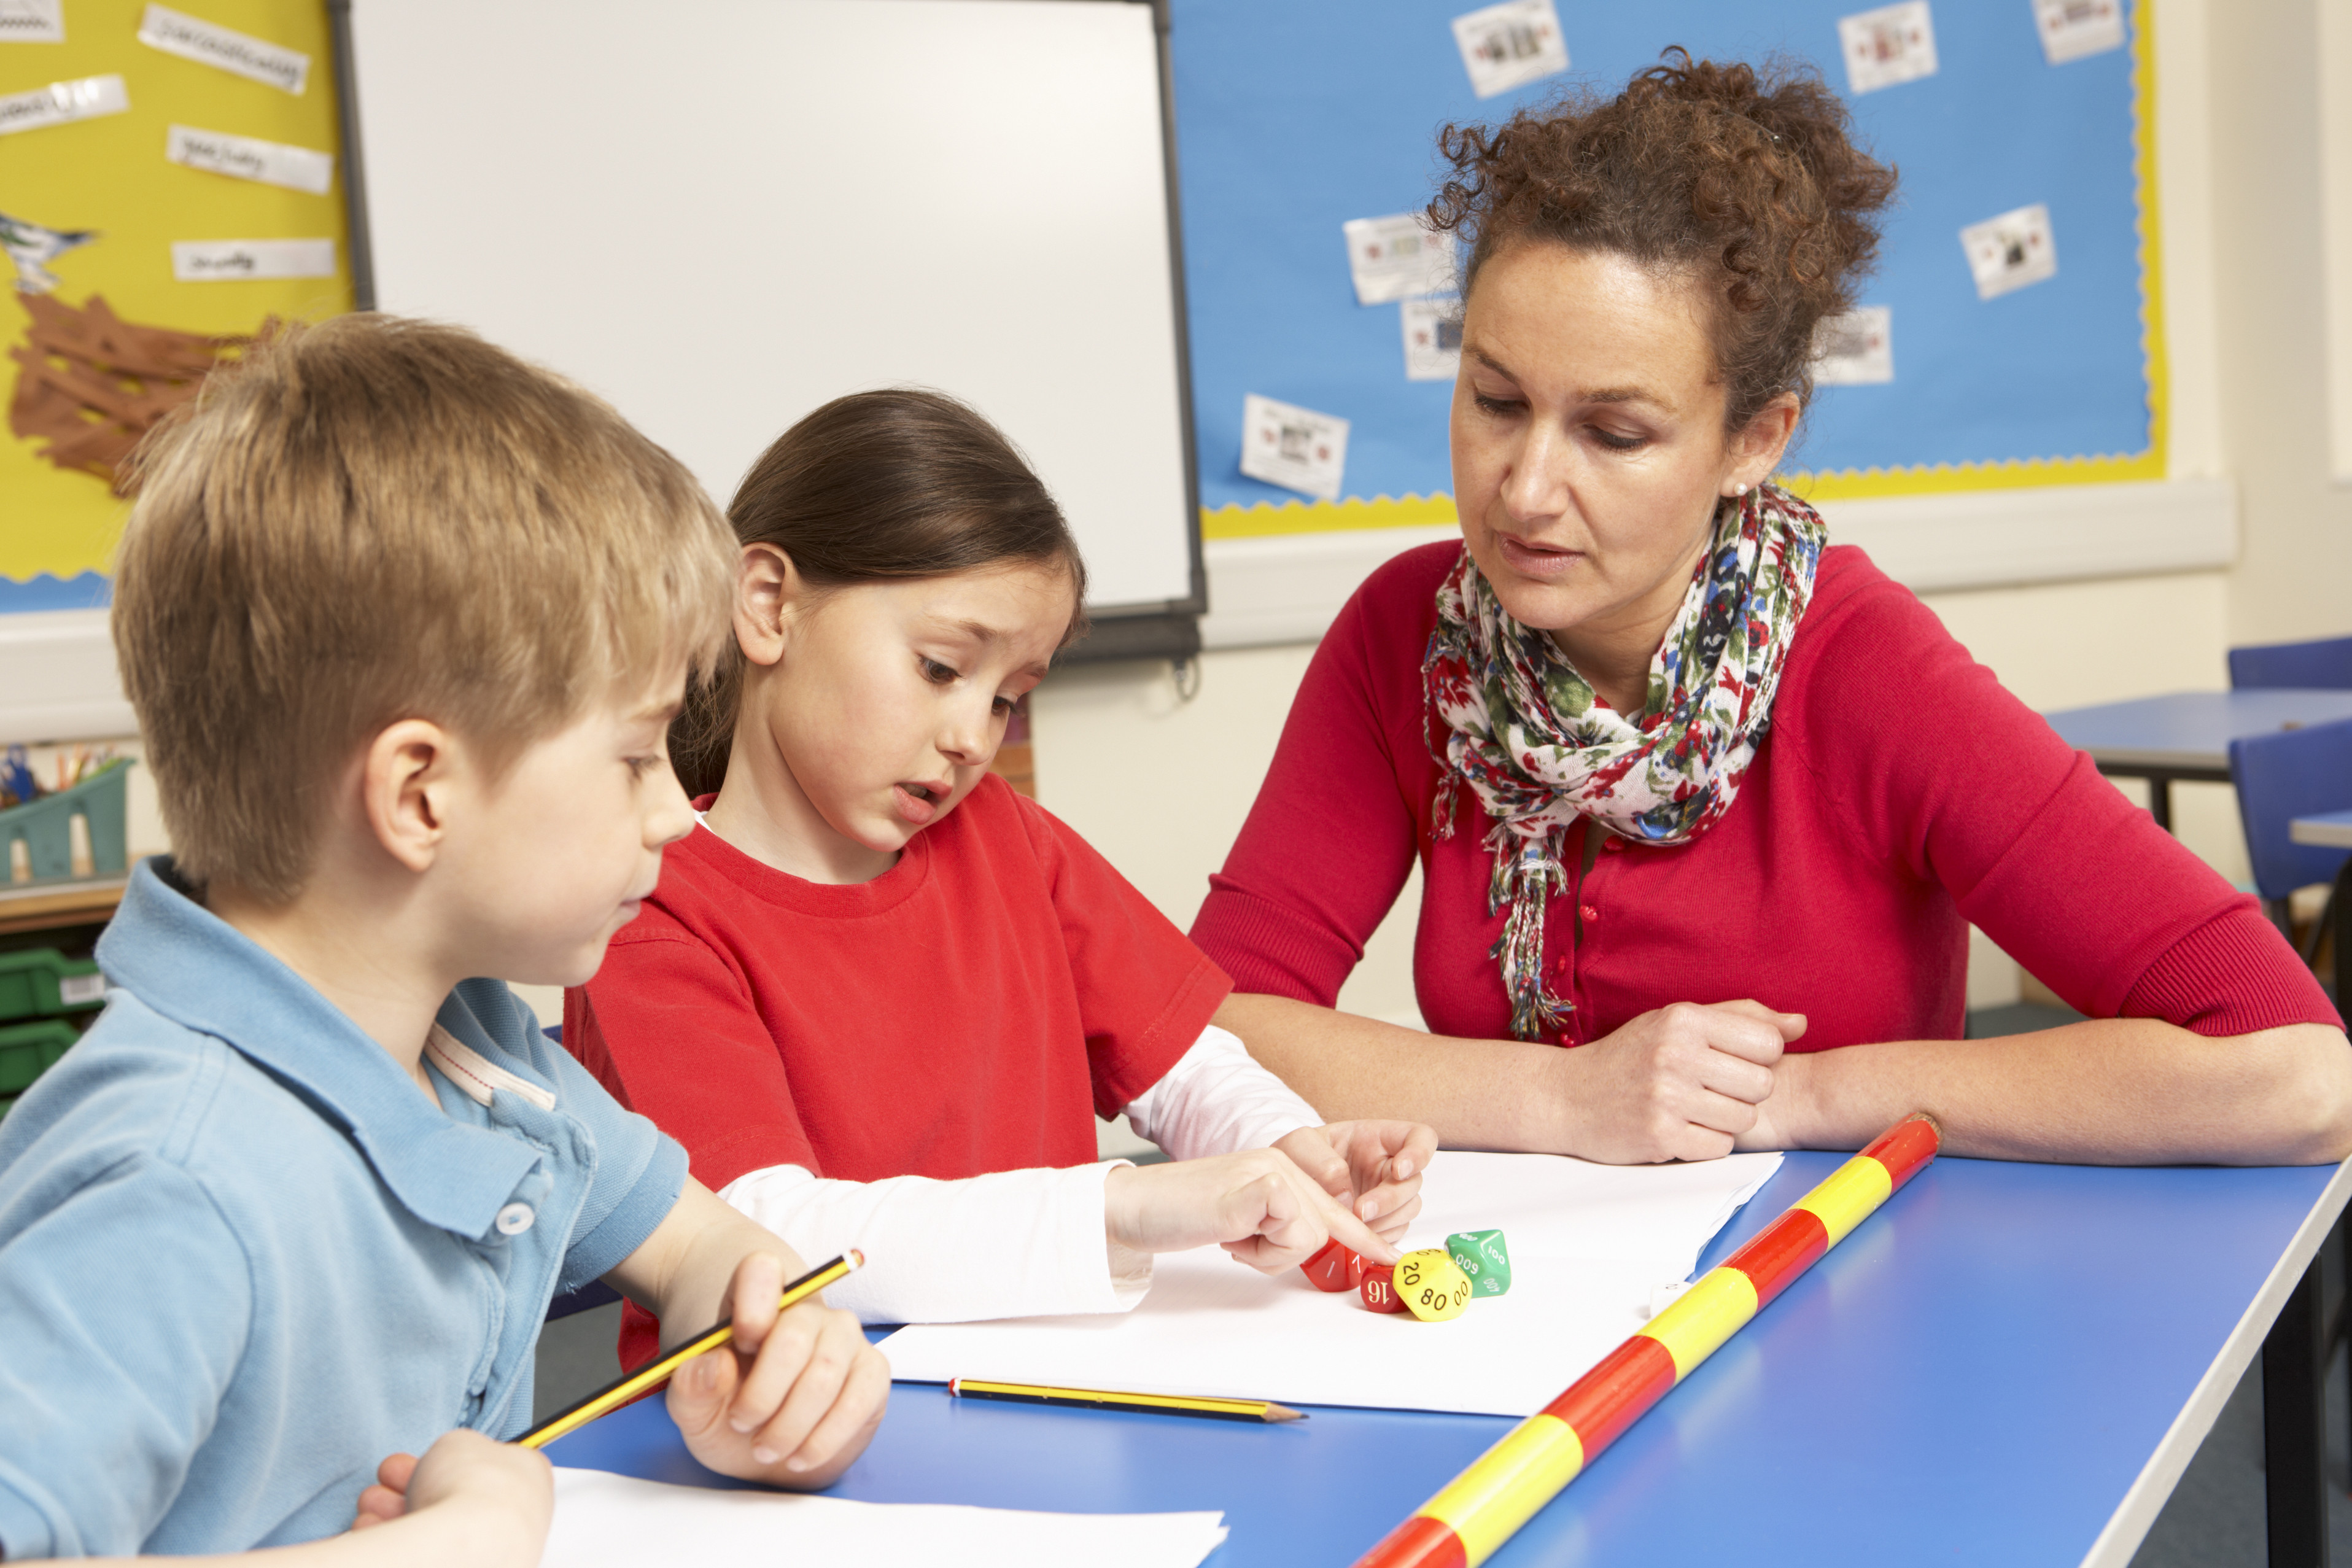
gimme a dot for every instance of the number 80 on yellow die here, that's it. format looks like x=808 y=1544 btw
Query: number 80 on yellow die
x=1431 y=1285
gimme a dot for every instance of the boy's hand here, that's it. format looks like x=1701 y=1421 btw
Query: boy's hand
x=1373 y=1167
x=1257 y=1205
x=503 y=1489
x=792 y=1400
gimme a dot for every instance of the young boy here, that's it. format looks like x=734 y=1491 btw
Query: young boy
x=405 y=622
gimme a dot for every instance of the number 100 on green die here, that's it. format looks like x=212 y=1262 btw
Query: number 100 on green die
x=1482 y=1255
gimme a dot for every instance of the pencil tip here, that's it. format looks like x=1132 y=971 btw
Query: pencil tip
x=1283 y=1413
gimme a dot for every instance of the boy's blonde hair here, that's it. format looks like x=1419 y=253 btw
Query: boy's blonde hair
x=377 y=519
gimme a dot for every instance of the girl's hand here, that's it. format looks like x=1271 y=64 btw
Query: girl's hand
x=505 y=1491
x=1257 y=1205
x=1373 y=1167
x=792 y=1400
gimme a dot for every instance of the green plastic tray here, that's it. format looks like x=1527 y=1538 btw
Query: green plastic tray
x=41 y=983
x=28 y=1050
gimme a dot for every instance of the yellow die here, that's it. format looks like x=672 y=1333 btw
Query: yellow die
x=1431 y=1285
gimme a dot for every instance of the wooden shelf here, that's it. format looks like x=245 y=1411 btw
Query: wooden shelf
x=60 y=904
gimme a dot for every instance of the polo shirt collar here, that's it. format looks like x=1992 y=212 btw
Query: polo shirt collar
x=182 y=962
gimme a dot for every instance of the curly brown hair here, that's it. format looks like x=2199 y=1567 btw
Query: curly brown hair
x=1748 y=185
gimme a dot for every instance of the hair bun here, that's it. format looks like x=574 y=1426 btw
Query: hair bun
x=1749 y=180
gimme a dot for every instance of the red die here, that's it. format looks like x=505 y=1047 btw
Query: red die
x=1376 y=1285
x=1330 y=1269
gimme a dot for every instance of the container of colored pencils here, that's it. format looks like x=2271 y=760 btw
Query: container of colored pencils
x=1105 y=1399
x=655 y=1373
x=1483 y=1506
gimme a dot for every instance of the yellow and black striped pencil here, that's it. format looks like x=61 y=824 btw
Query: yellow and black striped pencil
x=1103 y=1399
x=655 y=1373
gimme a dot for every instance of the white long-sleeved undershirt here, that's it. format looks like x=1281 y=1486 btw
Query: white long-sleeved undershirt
x=1016 y=1244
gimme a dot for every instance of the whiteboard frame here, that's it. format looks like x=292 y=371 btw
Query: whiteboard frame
x=1158 y=629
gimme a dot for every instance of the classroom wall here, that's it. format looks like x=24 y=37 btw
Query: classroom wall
x=2295 y=577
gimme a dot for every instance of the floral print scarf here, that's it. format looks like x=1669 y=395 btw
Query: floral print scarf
x=1539 y=749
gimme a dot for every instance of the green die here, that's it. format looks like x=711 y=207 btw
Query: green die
x=1483 y=1257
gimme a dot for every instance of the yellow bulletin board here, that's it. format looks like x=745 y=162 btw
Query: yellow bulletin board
x=109 y=174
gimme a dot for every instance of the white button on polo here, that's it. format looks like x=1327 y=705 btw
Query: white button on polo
x=515 y=1218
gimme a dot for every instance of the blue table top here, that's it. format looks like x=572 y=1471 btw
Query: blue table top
x=2192 y=728
x=1978 y=1374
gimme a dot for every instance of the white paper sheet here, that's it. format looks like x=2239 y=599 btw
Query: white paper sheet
x=62 y=102
x=210 y=44
x=32 y=21
x=2011 y=250
x=1433 y=337
x=1510 y=44
x=1295 y=447
x=1588 y=1244
x=214 y=260
x=616 y=1521
x=2074 y=29
x=250 y=158
x=1855 y=348
x=1396 y=257
x=1892 y=44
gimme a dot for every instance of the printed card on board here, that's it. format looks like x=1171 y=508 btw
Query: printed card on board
x=1855 y=348
x=1510 y=44
x=248 y=158
x=209 y=44
x=62 y=102
x=32 y=21
x=1397 y=257
x=1893 y=43
x=1296 y=448
x=2072 y=29
x=1433 y=337
x=2011 y=250
x=220 y=260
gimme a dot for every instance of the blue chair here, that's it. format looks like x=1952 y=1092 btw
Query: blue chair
x=2327 y=662
x=2281 y=776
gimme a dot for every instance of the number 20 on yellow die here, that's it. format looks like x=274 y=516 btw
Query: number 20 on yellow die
x=1431 y=1285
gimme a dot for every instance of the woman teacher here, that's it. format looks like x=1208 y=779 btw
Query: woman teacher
x=1693 y=793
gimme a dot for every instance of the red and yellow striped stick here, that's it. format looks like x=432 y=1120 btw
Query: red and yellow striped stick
x=1483 y=1506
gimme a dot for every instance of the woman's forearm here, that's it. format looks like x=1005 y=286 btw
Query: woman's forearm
x=2106 y=1091
x=1478 y=1094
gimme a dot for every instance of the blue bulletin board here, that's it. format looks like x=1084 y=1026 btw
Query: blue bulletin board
x=1294 y=118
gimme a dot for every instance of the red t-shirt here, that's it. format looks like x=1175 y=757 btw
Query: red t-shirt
x=971 y=1009
x=1901 y=794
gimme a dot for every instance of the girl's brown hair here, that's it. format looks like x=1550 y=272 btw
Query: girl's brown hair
x=1749 y=184
x=872 y=488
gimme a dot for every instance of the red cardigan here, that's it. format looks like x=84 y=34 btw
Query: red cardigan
x=1901 y=794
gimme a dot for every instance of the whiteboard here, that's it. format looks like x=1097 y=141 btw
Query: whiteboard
x=721 y=214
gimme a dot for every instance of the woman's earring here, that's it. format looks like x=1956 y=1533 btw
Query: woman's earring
x=1740 y=490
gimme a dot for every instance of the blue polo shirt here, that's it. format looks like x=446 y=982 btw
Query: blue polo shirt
x=243 y=1257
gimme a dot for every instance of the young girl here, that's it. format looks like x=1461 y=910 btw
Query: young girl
x=879 y=996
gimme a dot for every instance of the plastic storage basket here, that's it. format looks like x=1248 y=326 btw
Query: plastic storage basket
x=28 y=1050
x=40 y=982
x=43 y=844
